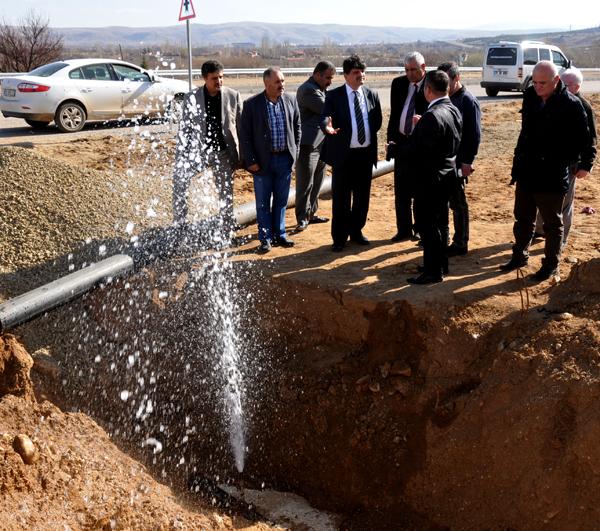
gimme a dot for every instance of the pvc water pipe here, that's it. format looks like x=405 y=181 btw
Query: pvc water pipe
x=31 y=304
x=25 y=307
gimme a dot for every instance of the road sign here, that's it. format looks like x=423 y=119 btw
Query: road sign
x=186 y=11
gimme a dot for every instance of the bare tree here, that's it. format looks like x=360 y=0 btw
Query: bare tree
x=29 y=44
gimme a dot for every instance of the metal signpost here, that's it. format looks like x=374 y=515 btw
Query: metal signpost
x=186 y=12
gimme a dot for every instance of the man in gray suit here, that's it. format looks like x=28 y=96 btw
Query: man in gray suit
x=270 y=136
x=208 y=140
x=310 y=170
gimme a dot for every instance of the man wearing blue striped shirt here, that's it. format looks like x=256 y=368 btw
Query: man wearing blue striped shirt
x=270 y=139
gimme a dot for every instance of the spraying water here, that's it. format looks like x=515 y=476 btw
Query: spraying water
x=212 y=220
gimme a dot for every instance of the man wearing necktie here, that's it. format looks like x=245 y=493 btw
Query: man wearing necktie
x=350 y=120
x=407 y=100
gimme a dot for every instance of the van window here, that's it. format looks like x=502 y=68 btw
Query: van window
x=502 y=56
x=559 y=59
x=530 y=56
x=544 y=54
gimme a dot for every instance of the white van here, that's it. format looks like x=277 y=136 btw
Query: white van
x=507 y=66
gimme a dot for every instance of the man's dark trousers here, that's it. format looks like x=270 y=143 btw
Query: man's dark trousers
x=460 y=212
x=431 y=219
x=350 y=193
x=550 y=207
x=403 y=196
x=310 y=171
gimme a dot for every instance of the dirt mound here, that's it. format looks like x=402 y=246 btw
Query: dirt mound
x=15 y=365
x=50 y=208
x=77 y=478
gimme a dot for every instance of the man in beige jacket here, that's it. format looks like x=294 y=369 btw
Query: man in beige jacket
x=208 y=140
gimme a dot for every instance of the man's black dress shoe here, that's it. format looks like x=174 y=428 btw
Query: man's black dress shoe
x=513 y=263
x=421 y=269
x=264 y=247
x=456 y=250
x=544 y=273
x=318 y=219
x=400 y=237
x=337 y=247
x=360 y=239
x=425 y=279
x=283 y=242
x=303 y=225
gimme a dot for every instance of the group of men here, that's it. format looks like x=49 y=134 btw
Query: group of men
x=433 y=136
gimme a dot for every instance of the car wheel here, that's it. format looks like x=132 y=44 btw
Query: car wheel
x=492 y=92
x=37 y=124
x=70 y=117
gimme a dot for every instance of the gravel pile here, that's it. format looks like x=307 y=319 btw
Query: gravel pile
x=50 y=208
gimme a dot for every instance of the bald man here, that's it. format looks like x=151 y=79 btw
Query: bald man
x=554 y=133
x=572 y=79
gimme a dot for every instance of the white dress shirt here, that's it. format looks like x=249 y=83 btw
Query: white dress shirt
x=412 y=88
x=363 y=107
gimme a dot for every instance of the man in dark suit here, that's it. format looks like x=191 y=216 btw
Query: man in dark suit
x=270 y=136
x=554 y=133
x=208 y=139
x=351 y=118
x=432 y=150
x=470 y=111
x=310 y=170
x=407 y=100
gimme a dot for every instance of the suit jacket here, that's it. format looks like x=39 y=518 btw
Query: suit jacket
x=432 y=147
x=311 y=100
x=256 y=133
x=398 y=95
x=192 y=127
x=336 y=148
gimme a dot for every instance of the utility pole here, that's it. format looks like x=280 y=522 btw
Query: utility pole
x=186 y=12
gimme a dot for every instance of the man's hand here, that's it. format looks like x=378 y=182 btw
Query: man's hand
x=254 y=168
x=581 y=174
x=329 y=130
x=466 y=169
x=415 y=119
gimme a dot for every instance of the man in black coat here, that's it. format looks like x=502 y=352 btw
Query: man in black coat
x=407 y=99
x=351 y=118
x=470 y=112
x=432 y=150
x=270 y=137
x=554 y=132
x=572 y=79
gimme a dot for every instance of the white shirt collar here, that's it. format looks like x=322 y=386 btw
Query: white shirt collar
x=438 y=99
x=350 y=90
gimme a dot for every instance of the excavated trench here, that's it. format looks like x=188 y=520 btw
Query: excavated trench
x=382 y=411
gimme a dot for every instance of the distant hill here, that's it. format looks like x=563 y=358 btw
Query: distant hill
x=589 y=37
x=255 y=32
x=581 y=46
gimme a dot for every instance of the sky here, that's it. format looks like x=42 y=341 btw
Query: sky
x=482 y=14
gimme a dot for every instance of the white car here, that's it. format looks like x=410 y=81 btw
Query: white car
x=72 y=92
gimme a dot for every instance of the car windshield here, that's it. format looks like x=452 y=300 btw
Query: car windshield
x=47 y=70
x=502 y=56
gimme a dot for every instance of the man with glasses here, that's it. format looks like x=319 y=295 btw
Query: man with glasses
x=572 y=79
x=407 y=102
x=554 y=134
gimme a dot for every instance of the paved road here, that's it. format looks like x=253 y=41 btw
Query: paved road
x=15 y=131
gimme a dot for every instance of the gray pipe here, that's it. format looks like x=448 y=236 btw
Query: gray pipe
x=37 y=301
x=31 y=304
